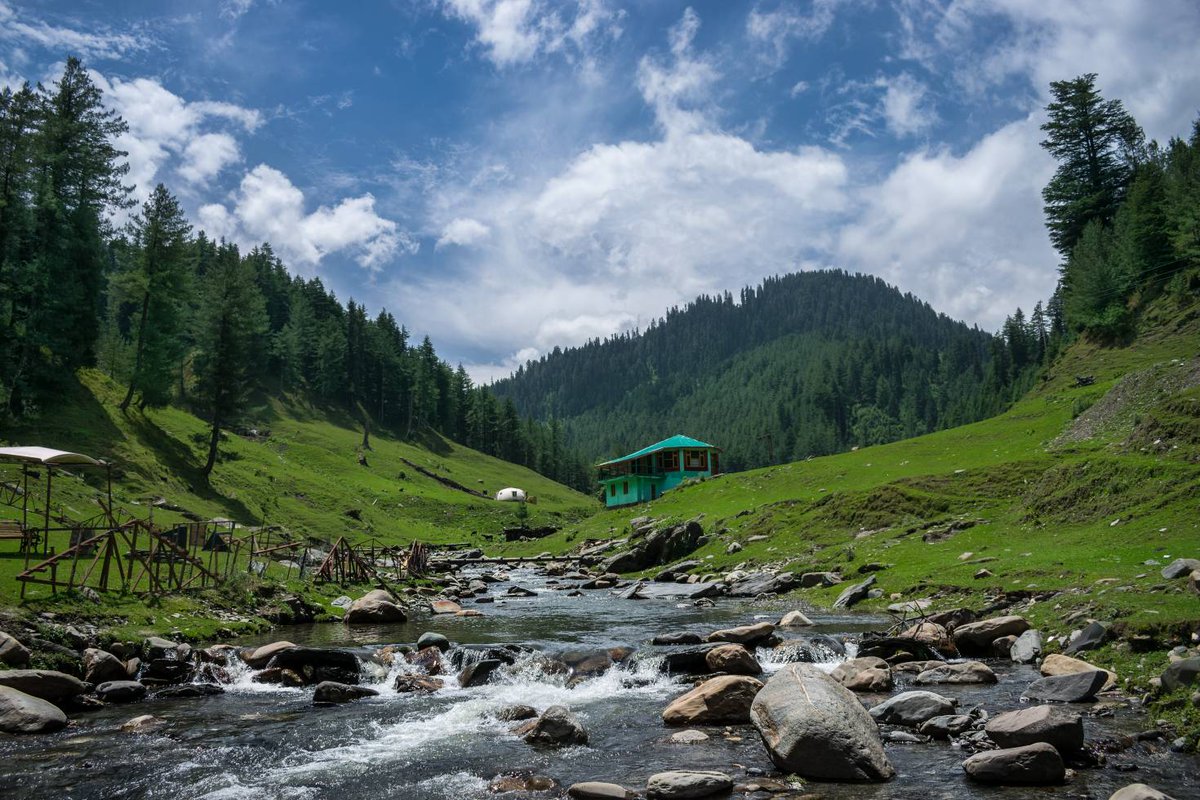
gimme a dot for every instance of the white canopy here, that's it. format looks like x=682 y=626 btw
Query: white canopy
x=46 y=455
x=511 y=493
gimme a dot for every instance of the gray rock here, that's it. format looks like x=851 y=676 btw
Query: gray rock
x=516 y=713
x=633 y=592
x=814 y=727
x=334 y=692
x=810 y=579
x=795 y=619
x=259 y=657
x=377 y=607
x=763 y=583
x=557 y=727
x=1180 y=568
x=24 y=713
x=733 y=659
x=945 y=726
x=100 y=666
x=688 y=659
x=1139 y=791
x=316 y=664
x=596 y=790
x=910 y=709
x=478 y=673
x=430 y=639
x=1080 y=687
x=679 y=785
x=1053 y=725
x=726 y=699
x=12 y=652
x=867 y=674
x=965 y=672
x=676 y=638
x=120 y=691
x=746 y=634
x=689 y=737
x=1185 y=672
x=1027 y=648
x=854 y=594
x=1032 y=765
x=1089 y=638
x=43 y=683
x=975 y=638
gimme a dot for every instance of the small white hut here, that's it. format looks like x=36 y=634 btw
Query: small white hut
x=511 y=495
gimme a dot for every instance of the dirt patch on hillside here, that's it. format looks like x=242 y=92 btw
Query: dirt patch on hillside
x=1117 y=412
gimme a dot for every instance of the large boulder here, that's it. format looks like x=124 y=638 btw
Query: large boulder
x=334 y=692
x=479 y=672
x=688 y=659
x=597 y=790
x=12 y=652
x=120 y=691
x=725 y=699
x=910 y=709
x=1139 y=791
x=1180 y=568
x=375 y=608
x=43 y=683
x=746 y=634
x=932 y=635
x=810 y=579
x=100 y=666
x=763 y=583
x=24 y=713
x=965 y=672
x=666 y=545
x=317 y=664
x=1058 y=664
x=867 y=674
x=1050 y=724
x=1080 y=687
x=854 y=594
x=1089 y=638
x=556 y=727
x=1027 y=647
x=795 y=619
x=975 y=638
x=733 y=659
x=680 y=784
x=1184 y=672
x=814 y=727
x=259 y=657
x=1032 y=765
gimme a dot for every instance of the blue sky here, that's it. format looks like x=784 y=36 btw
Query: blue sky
x=508 y=176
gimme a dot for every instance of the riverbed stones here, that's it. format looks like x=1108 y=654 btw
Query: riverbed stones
x=427 y=659
x=1079 y=687
x=143 y=723
x=24 y=713
x=1139 y=791
x=745 y=634
x=867 y=674
x=854 y=594
x=12 y=652
x=1053 y=725
x=376 y=607
x=680 y=637
x=681 y=784
x=1180 y=568
x=910 y=709
x=597 y=790
x=1032 y=765
x=42 y=683
x=334 y=692
x=795 y=619
x=814 y=727
x=515 y=713
x=933 y=636
x=763 y=583
x=1058 y=664
x=811 y=579
x=975 y=638
x=1027 y=648
x=690 y=736
x=733 y=659
x=478 y=673
x=445 y=607
x=430 y=639
x=521 y=782
x=725 y=699
x=259 y=657
x=100 y=666
x=419 y=684
x=316 y=664
x=556 y=727
x=965 y=672
x=1184 y=672
x=1089 y=638
x=945 y=726
x=121 y=691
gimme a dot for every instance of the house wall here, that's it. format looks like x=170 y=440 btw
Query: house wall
x=640 y=486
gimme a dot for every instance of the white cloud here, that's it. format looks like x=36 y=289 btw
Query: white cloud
x=778 y=28
x=906 y=108
x=100 y=43
x=962 y=232
x=206 y=155
x=235 y=9
x=514 y=32
x=269 y=207
x=463 y=231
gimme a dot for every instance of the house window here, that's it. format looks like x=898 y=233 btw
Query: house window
x=625 y=488
x=696 y=460
x=612 y=490
x=670 y=461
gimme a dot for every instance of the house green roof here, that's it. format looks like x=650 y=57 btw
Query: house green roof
x=676 y=442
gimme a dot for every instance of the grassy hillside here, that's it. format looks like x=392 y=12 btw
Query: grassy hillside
x=303 y=474
x=1062 y=523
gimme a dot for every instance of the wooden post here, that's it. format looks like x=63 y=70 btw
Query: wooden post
x=46 y=516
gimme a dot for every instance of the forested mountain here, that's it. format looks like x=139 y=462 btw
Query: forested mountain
x=183 y=319
x=804 y=364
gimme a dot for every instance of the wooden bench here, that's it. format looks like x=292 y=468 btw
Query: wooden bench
x=11 y=529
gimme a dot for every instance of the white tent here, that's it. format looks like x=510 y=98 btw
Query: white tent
x=45 y=455
x=511 y=494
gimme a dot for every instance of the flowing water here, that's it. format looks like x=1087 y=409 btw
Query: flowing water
x=263 y=741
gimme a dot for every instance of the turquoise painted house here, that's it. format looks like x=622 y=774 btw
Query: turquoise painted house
x=646 y=474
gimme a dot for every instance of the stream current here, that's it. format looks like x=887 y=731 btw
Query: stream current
x=266 y=741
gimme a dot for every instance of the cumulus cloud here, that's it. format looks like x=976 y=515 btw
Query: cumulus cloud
x=514 y=32
x=206 y=155
x=267 y=206
x=463 y=231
